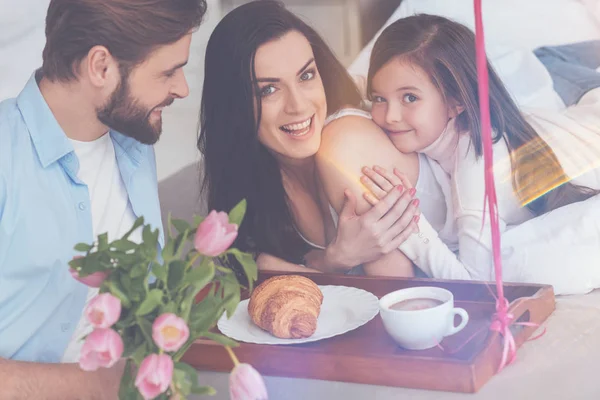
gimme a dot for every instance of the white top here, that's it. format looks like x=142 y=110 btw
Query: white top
x=110 y=207
x=559 y=248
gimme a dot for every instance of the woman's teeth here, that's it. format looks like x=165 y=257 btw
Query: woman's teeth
x=299 y=129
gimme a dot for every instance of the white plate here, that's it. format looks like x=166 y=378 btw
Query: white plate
x=344 y=309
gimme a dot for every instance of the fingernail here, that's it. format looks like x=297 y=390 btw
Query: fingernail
x=416 y=218
x=400 y=188
x=416 y=202
x=365 y=170
x=412 y=191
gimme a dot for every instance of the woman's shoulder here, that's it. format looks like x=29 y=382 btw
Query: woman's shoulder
x=347 y=112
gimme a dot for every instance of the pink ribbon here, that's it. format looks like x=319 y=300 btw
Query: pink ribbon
x=502 y=319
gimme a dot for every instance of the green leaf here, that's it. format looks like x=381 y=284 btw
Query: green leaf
x=236 y=215
x=83 y=247
x=168 y=251
x=197 y=279
x=204 y=391
x=152 y=300
x=139 y=270
x=115 y=289
x=248 y=264
x=126 y=387
x=205 y=313
x=231 y=290
x=140 y=353
x=221 y=339
x=176 y=272
x=201 y=275
x=125 y=282
x=147 y=235
x=146 y=329
x=181 y=225
x=198 y=220
x=138 y=222
x=170 y=307
x=180 y=243
x=182 y=383
x=103 y=242
x=159 y=271
x=190 y=375
x=123 y=245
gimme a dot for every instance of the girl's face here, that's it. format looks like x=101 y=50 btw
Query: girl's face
x=293 y=103
x=408 y=106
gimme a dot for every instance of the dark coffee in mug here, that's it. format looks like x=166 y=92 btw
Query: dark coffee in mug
x=415 y=304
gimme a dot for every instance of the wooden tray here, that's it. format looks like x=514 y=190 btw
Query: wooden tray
x=368 y=355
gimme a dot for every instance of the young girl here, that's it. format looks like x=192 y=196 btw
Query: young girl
x=422 y=82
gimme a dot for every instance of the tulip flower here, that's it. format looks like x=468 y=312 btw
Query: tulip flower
x=215 y=234
x=154 y=376
x=170 y=332
x=102 y=348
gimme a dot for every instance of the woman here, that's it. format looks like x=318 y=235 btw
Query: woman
x=270 y=84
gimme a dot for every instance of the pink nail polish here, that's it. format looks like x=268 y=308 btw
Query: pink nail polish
x=412 y=191
x=416 y=202
x=400 y=188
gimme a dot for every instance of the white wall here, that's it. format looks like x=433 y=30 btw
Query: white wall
x=177 y=145
x=22 y=39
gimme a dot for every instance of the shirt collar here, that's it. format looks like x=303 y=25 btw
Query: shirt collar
x=50 y=141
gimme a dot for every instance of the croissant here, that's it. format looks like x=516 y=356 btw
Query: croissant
x=286 y=306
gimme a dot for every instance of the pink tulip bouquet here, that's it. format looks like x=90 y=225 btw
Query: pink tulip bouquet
x=146 y=311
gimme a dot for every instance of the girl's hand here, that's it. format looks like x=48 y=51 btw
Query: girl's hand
x=380 y=182
x=377 y=232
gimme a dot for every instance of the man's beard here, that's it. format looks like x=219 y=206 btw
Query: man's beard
x=123 y=114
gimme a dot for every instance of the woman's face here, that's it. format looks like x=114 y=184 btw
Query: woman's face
x=408 y=106
x=293 y=104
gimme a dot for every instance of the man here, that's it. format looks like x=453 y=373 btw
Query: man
x=76 y=161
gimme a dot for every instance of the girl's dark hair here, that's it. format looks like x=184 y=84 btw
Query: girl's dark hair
x=237 y=165
x=130 y=30
x=445 y=50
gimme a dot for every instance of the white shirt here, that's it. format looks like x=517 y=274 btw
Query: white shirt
x=110 y=208
x=561 y=247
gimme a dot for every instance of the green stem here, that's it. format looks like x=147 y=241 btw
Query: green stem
x=232 y=356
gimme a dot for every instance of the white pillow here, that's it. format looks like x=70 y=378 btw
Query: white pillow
x=513 y=28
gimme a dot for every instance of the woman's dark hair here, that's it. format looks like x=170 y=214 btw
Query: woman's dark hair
x=130 y=30
x=237 y=165
x=445 y=50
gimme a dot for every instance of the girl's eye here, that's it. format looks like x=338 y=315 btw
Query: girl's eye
x=410 y=98
x=267 y=90
x=378 y=99
x=307 y=75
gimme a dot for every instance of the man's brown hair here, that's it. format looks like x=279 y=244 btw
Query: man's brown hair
x=129 y=29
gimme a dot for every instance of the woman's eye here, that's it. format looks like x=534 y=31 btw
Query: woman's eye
x=410 y=98
x=307 y=75
x=378 y=99
x=267 y=90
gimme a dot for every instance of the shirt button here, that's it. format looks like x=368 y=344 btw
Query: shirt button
x=81 y=206
x=69 y=157
x=65 y=326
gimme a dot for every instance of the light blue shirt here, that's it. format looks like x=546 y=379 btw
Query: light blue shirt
x=44 y=212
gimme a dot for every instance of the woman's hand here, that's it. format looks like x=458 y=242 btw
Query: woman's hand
x=377 y=232
x=380 y=182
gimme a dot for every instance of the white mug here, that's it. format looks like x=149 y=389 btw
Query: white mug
x=421 y=329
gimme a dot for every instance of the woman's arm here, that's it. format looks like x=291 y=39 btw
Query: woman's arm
x=347 y=145
x=267 y=262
